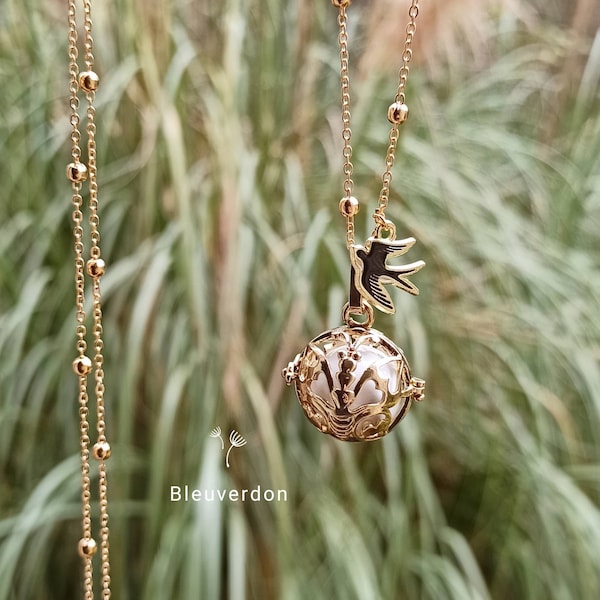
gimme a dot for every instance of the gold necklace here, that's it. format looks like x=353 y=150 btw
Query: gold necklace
x=353 y=382
x=78 y=172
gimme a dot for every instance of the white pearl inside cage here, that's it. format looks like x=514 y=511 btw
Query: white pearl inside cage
x=354 y=383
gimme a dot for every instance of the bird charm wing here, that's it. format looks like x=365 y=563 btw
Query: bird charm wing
x=372 y=273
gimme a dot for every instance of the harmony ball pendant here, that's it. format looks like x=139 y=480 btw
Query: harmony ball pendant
x=354 y=383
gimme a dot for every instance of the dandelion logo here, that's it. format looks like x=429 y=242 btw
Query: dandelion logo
x=216 y=433
x=236 y=440
x=257 y=493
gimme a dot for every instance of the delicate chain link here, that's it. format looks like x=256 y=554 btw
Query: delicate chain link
x=87 y=81
x=74 y=86
x=384 y=195
x=346 y=132
x=411 y=28
x=88 y=41
x=349 y=206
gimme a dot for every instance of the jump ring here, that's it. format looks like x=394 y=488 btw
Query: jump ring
x=365 y=309
x=387 y=226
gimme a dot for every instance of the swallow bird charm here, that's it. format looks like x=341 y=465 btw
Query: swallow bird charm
x=372 y=273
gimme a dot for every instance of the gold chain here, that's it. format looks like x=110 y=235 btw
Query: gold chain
x=346 y=132
x=397 y=114
x=87 y=82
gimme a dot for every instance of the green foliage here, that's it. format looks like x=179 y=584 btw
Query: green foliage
x=218 y=141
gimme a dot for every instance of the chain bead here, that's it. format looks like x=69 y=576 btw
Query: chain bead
x=341 y=3
x=89 y=81
x=398 y=113
x=101 y=451
x=82 y=365
x=349 y=206
x=87 y=547
x=77 y=172
x=95 y=267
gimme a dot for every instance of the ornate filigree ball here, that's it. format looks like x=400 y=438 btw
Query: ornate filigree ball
x=354 y=383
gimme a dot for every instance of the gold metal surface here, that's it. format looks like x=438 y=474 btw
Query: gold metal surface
x=82 y=365
x=89 y=81
x=87 y=547
x=353 y=383
x=397 y=113
x=349 y=206
x=101 y=451
x=95 y=267
x=365 y=311
x=77 y=172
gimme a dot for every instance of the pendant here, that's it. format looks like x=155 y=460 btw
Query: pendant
x=353 y=382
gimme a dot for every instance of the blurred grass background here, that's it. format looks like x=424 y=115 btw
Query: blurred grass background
x=220 y=166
